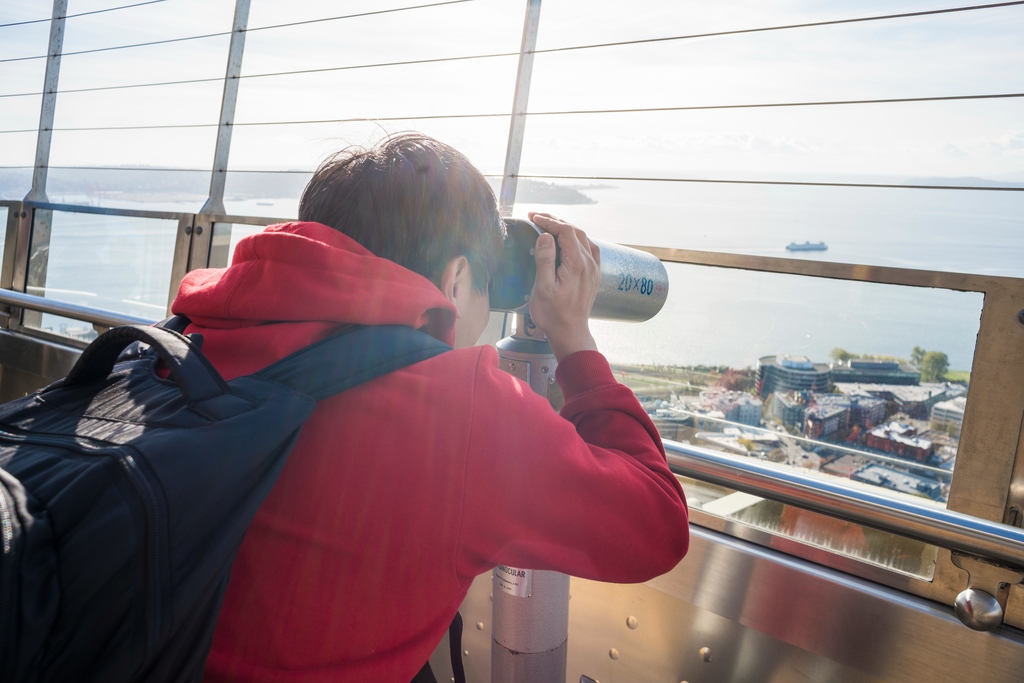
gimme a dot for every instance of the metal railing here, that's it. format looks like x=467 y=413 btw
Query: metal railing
x=928 y=524
x=94 y=316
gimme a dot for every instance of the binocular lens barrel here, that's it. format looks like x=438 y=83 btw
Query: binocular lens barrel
x=634 y=284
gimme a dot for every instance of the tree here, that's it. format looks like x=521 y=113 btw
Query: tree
x=737 y=380
x=933 y=366
x=917 y=355
x=840 y=355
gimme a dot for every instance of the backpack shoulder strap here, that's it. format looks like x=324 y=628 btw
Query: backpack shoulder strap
x=355 y=355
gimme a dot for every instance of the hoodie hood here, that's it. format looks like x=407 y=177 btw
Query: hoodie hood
x=312 y=274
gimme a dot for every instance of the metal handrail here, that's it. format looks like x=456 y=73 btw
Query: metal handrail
x=96 y=316
x=936 y=526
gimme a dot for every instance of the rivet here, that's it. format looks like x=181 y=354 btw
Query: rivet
x=511 y=366
x=199 y=230
x=479 y=626
x=526 y=297
x=465 y=652
x=631 y=622
x=551 y=380
x=188 y=229
x=544 y=369
x=24 y=215
x=613 y=653
x=1020 y=316
x=705 y=654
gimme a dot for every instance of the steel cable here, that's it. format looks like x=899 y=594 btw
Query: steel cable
x=248 y=30
x=567 y=112
x=81 y=14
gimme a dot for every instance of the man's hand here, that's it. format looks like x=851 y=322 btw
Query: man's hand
x=562 y=297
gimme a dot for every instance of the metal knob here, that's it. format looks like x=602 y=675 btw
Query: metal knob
x=978 y=610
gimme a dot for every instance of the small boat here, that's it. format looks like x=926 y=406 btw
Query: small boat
x=807 y=246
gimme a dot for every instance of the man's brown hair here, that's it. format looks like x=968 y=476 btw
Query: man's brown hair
x=412 y=200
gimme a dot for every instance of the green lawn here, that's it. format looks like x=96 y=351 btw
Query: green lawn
x=957 y=376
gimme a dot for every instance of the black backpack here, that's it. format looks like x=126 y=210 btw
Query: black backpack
x=124 y=497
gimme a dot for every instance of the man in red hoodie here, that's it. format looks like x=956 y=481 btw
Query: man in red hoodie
x=402 y=490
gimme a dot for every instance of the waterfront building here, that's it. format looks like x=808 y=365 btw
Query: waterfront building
x=791 y=373
x=901 y=440
x=864 y=370
x=789 y=407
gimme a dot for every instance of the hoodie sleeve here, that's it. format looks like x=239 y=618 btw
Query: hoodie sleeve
x=587 y=492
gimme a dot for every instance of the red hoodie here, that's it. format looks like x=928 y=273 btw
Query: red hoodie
x=402 y=490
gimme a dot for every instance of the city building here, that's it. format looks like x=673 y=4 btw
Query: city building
x=886 y=477
x=874 y=372
x=867 y=411
x=915 y=401
x=789 y=407
x=791 y=373
x=901 y=440
x=949 y=415
x=824 y=420
x=736 y=406
x=709 y=421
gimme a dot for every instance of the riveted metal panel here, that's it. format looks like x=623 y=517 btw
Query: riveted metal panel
x=764 y=617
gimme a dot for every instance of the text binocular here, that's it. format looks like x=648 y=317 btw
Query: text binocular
x=634 y=284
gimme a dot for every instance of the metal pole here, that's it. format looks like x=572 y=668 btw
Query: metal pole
x=517 y=127
x=41 y=220
x=215 y=202
x=530 y=614
x=45 y=135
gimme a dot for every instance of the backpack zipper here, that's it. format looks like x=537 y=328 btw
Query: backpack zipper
x=151 y=513
x=10 y=530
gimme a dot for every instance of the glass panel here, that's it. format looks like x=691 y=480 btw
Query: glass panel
x=372 y=100
x=959 y=143
x=859 y=383
x=225 y=239
x=95 y=116
x=117 y=263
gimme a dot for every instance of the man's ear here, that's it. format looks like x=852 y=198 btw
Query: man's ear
x=455 y=278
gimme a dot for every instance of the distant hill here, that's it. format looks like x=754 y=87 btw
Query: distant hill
x=538 y=192
x=966 y=181
x=141 y=184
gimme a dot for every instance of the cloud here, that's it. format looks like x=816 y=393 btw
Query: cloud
x=1009 y=144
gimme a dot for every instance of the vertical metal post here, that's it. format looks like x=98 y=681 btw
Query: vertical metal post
x=517 y=126
x=530 y=614
x=215 y=202
x=45 y=134
x=41 y=219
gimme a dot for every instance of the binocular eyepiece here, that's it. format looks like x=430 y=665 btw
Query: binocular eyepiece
x=634 y=284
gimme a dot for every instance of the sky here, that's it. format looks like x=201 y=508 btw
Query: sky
x=965 y=53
